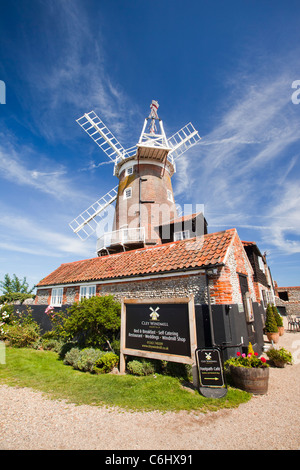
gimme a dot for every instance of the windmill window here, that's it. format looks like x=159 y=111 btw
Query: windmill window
x=56 y=297
x=127 y=193
x=181 y=235
x=86 y=292
x=169 y=195
x=129 y=171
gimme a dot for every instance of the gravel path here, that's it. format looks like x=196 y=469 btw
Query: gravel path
x=28 y=420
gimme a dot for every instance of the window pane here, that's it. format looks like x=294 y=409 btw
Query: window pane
x=57 y=296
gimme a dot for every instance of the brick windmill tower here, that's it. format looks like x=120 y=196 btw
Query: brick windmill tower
x=144 y=196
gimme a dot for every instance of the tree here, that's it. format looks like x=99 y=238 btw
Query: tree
x=15 y=285
x=15 y=289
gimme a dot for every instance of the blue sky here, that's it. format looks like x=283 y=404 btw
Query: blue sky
x=228 y=67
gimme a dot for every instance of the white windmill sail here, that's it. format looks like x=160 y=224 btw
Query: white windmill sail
x=184 y=139
x=86 y=223
x=104 y=138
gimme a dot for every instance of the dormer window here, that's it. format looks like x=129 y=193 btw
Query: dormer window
x=181 y=235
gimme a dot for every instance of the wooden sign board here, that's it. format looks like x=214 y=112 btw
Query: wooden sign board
x=163 y=329
x=211 y=373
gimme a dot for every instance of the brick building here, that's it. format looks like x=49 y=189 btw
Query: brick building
x=214 y=268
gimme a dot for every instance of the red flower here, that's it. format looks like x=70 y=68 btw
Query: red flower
x=263 y=359
x=238 y=353
x=255 y=354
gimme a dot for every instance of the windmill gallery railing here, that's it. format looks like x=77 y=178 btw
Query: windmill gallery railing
x=123 y=237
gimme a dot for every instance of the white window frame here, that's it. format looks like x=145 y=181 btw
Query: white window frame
x=182 y=235
x=261 y=264
x=170 y=196
x=87 y=291
x=127 y=193
x=56 y=296
x=129 y=171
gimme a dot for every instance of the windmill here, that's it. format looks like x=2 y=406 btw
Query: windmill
x=144 y=195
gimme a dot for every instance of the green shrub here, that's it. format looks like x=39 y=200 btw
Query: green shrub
x=72 y=357
x=135 y=367
x=6 y=314
x=51 y=344
x=277 y=316
x=115 y=346
x=91 y=322
x=88 y=358
x=280 y=355
x=22 y=336
x=83 y=359
x=66 y=347
x=106 y=363
x=142 y=367
x=271 y=326
x=176 y=369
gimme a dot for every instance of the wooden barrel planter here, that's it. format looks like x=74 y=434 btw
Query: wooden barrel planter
x=253 y=379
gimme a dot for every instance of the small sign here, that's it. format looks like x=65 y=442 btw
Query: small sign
x=210 y=368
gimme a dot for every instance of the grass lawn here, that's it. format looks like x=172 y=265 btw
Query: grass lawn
x=44 y=371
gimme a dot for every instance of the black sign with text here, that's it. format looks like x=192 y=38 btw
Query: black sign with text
x=160 y=328
x=210 y=367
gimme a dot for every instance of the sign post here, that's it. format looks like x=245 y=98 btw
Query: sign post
x=164 y=329
x=211 y=373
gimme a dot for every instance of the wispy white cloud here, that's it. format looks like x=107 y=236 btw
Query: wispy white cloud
x=15 y=168
x=26 y=235
x=284 y=229
x=76 y=81
x=243 y=169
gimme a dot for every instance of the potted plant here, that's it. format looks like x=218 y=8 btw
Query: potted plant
x=271 y=328
x=249 y=372
x=278 y=319
x=280 y=357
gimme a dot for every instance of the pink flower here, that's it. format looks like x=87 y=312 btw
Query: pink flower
x=263 y=359
x=250 y=354
x=243 y=355
x=49 y=309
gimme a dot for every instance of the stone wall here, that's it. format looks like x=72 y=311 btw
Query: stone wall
x=43 y=297
x=292 y=305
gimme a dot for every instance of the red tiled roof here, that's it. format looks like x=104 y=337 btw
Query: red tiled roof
x=194 y=253
x=289 y=287
x=248 y=243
